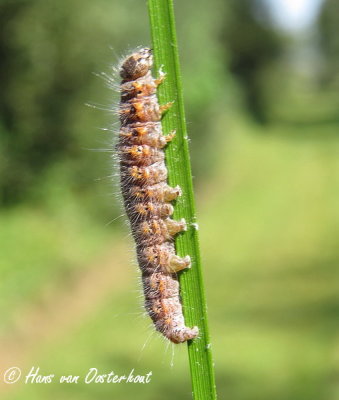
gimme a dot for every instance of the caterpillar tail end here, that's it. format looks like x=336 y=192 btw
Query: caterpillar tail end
x=183 y=335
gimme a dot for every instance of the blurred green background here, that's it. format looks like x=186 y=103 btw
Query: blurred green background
x=261 y=93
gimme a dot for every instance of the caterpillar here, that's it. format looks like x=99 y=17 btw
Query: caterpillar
x=147 y=196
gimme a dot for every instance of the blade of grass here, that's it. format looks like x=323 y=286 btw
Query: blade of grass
x=179 y=173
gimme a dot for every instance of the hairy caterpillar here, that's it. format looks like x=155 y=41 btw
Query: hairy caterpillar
x=147 y=196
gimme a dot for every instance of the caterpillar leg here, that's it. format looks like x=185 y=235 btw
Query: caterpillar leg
x=158 y=81
x=163 y=140
x=166 y=106
x=161 y=78
x=171 y=193
x=174 y=227
x=170 y=136
x=177 y=263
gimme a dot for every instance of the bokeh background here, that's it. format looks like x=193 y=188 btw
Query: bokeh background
x=261 y=82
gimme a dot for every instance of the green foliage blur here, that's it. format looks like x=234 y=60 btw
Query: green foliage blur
x=262 y=110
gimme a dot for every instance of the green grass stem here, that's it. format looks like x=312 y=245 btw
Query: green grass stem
x=165 y=52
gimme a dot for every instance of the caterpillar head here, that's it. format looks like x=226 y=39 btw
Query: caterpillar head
x=137 y=64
